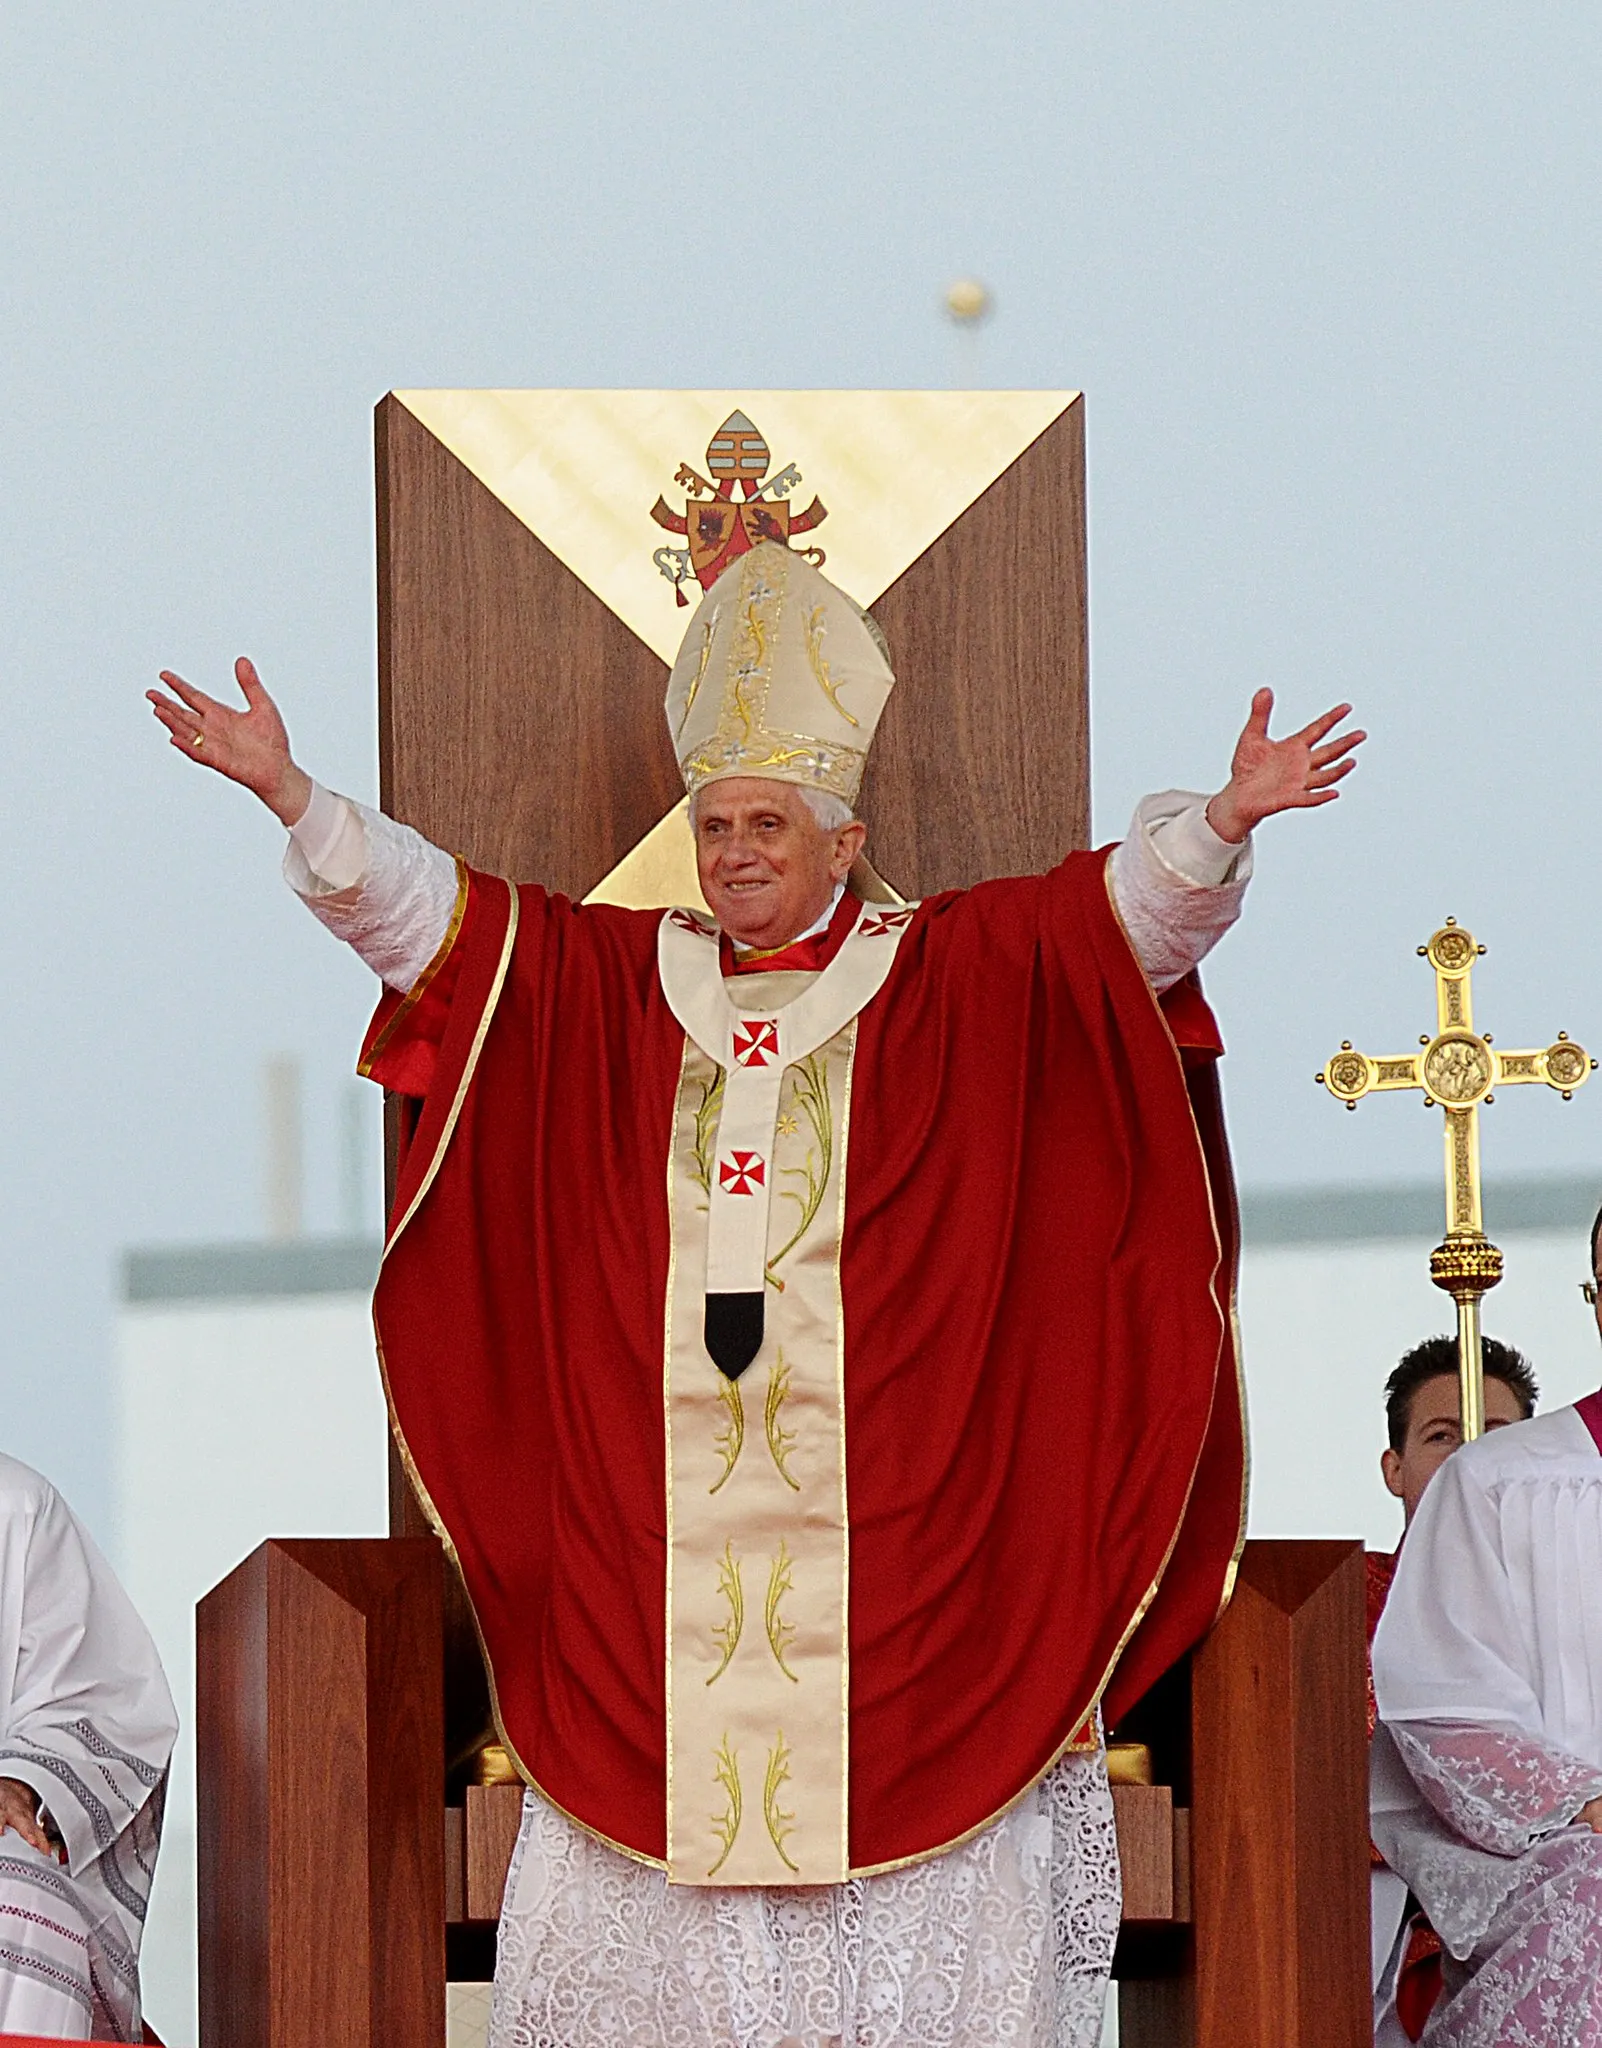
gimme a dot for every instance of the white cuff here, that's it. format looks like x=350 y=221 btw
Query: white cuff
x=1176 y=830
x=327 y=848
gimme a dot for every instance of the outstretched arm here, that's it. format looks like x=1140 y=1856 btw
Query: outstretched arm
x=376 y=884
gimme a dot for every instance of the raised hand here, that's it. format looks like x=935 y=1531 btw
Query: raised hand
x=250 y=747
x=1293 y=774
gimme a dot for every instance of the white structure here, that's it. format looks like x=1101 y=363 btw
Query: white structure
x=246 y=1405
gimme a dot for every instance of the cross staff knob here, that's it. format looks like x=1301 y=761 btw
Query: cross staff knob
x=1458 y=1069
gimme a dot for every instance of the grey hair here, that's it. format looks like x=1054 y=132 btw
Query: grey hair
x=829 y=810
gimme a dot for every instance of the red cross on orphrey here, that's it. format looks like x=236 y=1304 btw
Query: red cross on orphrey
x=742 y=1173
x=756 y=1042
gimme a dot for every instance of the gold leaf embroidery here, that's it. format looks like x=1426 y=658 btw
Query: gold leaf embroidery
x=816 y=627
x=810 y=1094
x=780 y=1581
x=755 y=657
x=781 y=1441
x=779 y=1822
x=700 y=668
x=726 y=1772
x=707 y=1112
x=726 y=1633
x=729 y=1437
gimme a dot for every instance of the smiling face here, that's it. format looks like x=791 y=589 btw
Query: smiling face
x=767 y=867
x=1435 y=1430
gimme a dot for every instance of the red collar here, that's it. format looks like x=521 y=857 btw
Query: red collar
x=1590 y=1413
x=808 y=955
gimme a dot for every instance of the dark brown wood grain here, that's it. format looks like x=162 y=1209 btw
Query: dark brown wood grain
x=1144 y=1816
x=981 y=765
x=520 y=721
x=232 y=1799
x=1280 y=1806
x=494 y=1814
x=320 y=1742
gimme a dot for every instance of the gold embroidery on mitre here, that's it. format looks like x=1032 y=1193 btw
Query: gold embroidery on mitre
x=752 y=692
x=817 y=626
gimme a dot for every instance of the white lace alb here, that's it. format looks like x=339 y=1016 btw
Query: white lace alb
x=1006 y=1940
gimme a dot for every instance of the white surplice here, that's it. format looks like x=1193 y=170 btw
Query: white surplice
x=87 y=1724
x=1488 y=1672
x=1006 y=1939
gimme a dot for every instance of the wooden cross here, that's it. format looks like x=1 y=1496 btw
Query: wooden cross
x=1458 y=1069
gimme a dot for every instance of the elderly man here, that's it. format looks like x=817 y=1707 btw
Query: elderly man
x=1487 y=1786
x=86 y=1730
x=808 y=1329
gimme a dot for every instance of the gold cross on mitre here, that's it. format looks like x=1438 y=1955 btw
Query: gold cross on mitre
x=1458 y=1069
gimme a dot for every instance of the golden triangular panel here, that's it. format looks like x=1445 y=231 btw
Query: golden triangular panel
x=659 y=874
x=582 y=470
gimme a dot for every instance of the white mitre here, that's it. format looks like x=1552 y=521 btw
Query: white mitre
x=780 y=675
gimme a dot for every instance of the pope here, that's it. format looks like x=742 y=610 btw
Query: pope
x=809 y=1329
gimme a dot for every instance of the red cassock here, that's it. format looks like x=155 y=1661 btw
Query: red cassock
x=1044 y=1439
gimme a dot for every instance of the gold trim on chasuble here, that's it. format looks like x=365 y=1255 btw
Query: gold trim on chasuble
x=1229 y=1327
x=442 y=952
x=758 y=1667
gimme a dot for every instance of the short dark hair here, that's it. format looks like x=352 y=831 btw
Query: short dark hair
x=1596 y=1226
x=1437 y=1356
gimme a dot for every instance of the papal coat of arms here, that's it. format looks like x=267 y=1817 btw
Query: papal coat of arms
x=739 y=507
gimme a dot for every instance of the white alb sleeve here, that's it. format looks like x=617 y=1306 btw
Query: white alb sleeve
x=378 y=885
x=1177 y=885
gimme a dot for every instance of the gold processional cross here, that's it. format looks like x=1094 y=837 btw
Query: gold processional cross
x=1458 y=1070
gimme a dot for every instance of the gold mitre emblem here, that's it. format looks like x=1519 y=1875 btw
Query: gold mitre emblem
x=780 y=675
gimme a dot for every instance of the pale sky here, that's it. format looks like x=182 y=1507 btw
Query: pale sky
x=1329 y=278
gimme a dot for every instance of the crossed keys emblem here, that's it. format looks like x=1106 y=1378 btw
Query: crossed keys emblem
x=720 y=526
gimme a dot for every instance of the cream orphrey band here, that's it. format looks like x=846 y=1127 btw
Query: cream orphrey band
x=758 y=1675
x=780 y=675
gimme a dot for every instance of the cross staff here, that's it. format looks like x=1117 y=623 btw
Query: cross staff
x=1458 y=1069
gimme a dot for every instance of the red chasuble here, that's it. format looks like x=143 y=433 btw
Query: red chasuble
x=1043 y=1427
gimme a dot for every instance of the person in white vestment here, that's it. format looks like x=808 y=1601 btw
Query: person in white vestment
x=1487 y=1764
x=1006 y=1937
x=1424 y=1425
x=86 y=1731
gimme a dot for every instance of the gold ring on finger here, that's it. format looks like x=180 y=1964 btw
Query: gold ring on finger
x=198 y=741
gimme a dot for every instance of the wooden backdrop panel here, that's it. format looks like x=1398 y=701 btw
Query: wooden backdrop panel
x=981 y=765
x=519 y=720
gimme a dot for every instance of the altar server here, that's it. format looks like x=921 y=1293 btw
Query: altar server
x=809 y=1329
x=86 y=1731
x=1423 y=1422
x=1487 y=1766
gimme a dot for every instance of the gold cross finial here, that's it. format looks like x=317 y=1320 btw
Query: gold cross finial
x=1458 y=1069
